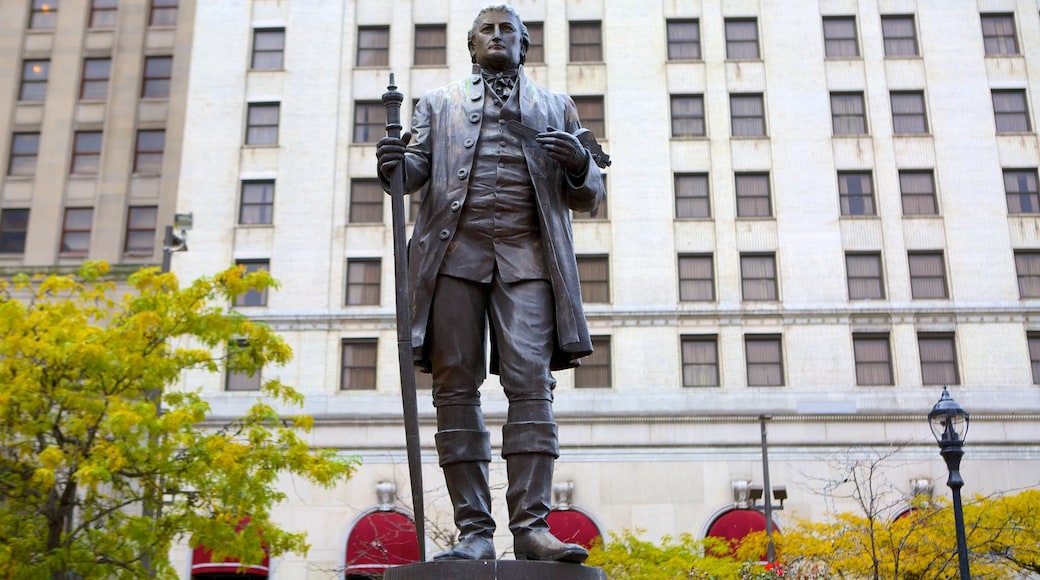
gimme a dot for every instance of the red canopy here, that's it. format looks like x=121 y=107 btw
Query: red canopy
x=381 y=540
x=573 y=526
x=736 y=523
x=202 y=563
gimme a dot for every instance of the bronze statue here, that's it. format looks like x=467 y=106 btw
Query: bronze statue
x=492 y=246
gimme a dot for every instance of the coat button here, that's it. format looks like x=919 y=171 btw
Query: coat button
x=445 y=234
x=476 y=79
x=474 y=117
x=475 y=97
x=462 y=173
x=455 y=205
x=468 y=143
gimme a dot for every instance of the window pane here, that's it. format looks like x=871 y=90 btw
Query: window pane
x=764 y=364
x=164 y=13
x=86 y=153
x=856 y=193
x=691 y=196
x=684 y=40
x=268 y=48
x=873 y=360
x=864 y=276
x=34 y=80
x=998 y=34
x=237 y=380
x=688 y=116
x=848 y=114
x=369 y=121
x=927 y=276
x=95 y=78
x=75 y=235
x=373 y=46
x=149 y=152
x=253 y=297
x=753 y=195
x=938 y=360
x=14 y=224
x=257 y=206
x=594 y=276
x=748 y=115
x=157 y=73
x=700 y=361
x=140 y=230
x=917 y=189
x=696 y=278
x=431 y=44
x=24 y=150
x=363 y=277
x=741 y=39
x=758 y=277
x=1028 y=266
x=366 y=201
x=900 y=36
x=262 y=124
x=908 y=115
x=840 y=37
x=1034 y=356
x=536 y=51
x=594 y=372
x=359 y=365
x=586 y=44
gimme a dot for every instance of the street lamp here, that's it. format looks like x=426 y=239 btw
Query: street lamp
x=949 y=423
x=173 y=241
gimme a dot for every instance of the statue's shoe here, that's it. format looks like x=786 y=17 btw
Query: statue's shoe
x=542 y=545
x=470 y=548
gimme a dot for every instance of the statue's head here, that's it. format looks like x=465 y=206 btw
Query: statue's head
x=494 y=20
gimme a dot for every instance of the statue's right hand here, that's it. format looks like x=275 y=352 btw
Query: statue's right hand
x=390 y=151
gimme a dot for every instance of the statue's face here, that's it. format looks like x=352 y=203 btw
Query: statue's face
x=497 y=41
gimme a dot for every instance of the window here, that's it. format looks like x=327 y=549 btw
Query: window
x=765 y=366
x=359 y=365
x=752 y=195
x=1021 y=191
x=75 y=230
x=839 y=37
x=856 y=193
x=164 y=13
x=369 y=121
x=863 y=272
x=536 y=50
x=157 y=73
x=262 y=124
x=25 y=147
x=431 y=44
x=268 y=48
x=684 y=40
x=700 y=361
x=687 y=116
x=594 y=372
x=600 y=212
x=412 y=203
x=373 y=47
x=590 y=111
x=34 y=80
x=998 y=34
x=1010 y=111
x=14 y=226
x=900 y=36
x=748 y=118
x=848 y=114
x=741 y=39
x=366 y=201
x=44 y=14
x=696 y=278
x=758 y=277
x=586 y=42
x=86 y=153
x=94 y=85
x=148 y=155
x=253 y=297
x=873 y=359
x=917 y=190
x=1033 y=339
x=938 y=359
x=257 y=205
x=594 y=276
x=927 y=275
x=103 y=13
x=240 y=380
x=363 y=282
x=691 y=195
x=908 y=116
x=140 y=230
x=1027 y=264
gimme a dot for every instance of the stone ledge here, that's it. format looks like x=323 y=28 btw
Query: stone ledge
x=493 y=570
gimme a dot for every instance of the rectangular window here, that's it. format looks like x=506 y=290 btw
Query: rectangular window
x=164 y=13
x=687 y=115
x=25 y=148
x=586 y=42
x=752 y=191
x=696 y=278
x=864 y=275
x=917 y=191
x=369 y=121
x=363 y=276
x=700 y=361
x=366 y=201
x=758 y=277
x=268 y=49
x=44 y=14
x=600 y=212
x=103 y=13
x=742 y=39
x=373 y=46
x=900 y=36
x=257 y=205
x=748 y=116
x=239 y=380
x=94 y=84
x=839 y=37
x=848 y=114
x=1021 y=191
x=359 y=365
x=691 y=195
x=684 y=40
x=148 y=152
x=856 y=193
x=594 y=372
x=536 y=50
x=140 y=230
x=927 y=275
x=253 y=297
x=998 y=34
x=262 y=124
x=86 y=153
x=765 y=366
x=873 y=359
x=1033 y=339
x=1027 y=264
x=431 y=44
x=592 y=116
x=14 y=226
x=34 y=80
x=75 y=230
x=938 y=359
x=908 y=115
x=594 y=276
x=158 y=70
x=1011 y=112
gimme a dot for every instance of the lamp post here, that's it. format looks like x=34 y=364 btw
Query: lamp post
x=949 y=423
x=173 y=241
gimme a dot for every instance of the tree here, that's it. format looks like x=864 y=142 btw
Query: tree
x=102 y=465
x=628 y=557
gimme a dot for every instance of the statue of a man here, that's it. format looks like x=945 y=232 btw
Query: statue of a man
x=492 y=244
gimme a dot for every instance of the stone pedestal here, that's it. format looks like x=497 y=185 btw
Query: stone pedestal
x=494 y=570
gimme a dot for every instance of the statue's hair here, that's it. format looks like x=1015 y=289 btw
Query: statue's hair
x=525 y=37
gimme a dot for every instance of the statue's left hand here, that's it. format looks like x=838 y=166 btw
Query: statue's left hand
x=564 y=148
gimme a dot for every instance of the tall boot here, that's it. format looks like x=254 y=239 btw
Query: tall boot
x=464 y=458
x=531 y=449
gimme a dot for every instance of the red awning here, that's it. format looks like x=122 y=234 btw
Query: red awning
x=381 y=540
x=573 y=526
x=735 y=524
x=202 y=563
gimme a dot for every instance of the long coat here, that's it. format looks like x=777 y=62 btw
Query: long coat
x=439 y=161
